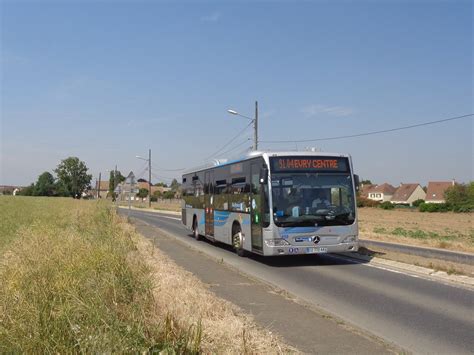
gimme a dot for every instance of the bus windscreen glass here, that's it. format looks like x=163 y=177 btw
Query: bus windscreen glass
x=308 y=191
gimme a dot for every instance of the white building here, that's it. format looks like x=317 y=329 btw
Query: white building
x=406 y=194
x=381 y=193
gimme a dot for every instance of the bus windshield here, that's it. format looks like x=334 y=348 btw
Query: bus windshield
x=312 y=199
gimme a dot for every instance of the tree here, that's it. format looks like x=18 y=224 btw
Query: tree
x=161 y=184
x=112 y=183
x=45 y=185
x=73 y=179
x=27 y=191
x=142 y=193
x=175 y=185
x=114 y=180
x=460 y=197
x=366 y=182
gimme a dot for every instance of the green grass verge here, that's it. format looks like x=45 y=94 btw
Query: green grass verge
x=72 y=281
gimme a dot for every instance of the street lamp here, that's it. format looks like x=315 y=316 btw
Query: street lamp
x=149 y=174
x=255 y=124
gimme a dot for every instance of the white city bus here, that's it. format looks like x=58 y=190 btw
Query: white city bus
x=275 y=203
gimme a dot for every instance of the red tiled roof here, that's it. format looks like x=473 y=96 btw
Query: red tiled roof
x=404 y=192
x=436 y=190
x=364 y=189
x=384 y=188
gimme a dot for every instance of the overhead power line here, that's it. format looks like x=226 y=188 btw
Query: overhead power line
x=157 y=173
x=235 y=147
x=161 y=177
x=162 y=169
x=228 y=143
x=369 y=133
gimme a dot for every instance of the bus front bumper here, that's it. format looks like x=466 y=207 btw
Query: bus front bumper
x=310 y=249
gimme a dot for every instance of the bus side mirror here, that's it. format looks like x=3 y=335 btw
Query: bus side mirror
x=263 y=176
x=356 y=181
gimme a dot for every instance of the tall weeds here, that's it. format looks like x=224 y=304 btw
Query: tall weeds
x=71 y=281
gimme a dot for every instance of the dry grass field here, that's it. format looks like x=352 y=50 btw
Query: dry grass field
x=76 y=278
x=453 y=231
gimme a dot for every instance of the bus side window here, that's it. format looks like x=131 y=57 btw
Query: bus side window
x=256 y=183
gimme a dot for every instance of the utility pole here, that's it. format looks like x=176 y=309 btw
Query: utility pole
x=149 y=178
x=98 y=187
x=255 y=128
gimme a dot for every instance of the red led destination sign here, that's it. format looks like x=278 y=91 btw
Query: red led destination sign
x=309 y=164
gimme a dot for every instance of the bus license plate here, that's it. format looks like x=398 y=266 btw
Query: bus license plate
x=316 y=250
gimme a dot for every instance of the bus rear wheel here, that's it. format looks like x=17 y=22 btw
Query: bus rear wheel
x=196 y=229
x=238 y=241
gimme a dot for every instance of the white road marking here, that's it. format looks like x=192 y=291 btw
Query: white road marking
x=410 y=273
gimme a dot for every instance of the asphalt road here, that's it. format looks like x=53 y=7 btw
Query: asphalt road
x=419 y=315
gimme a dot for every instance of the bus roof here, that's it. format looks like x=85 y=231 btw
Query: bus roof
x=221 y=162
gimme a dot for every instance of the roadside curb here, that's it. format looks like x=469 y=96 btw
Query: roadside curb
x=447 y=255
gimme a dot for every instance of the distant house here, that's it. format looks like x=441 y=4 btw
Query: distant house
x=381 y=193
x=436 y=190
x=9 y=190
x=103 y=189
x=406 y=194
x=364 y=189
x=144 y=185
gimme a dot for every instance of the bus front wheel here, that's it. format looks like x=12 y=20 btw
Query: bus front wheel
x=238 y=241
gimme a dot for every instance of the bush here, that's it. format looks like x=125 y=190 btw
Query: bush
x=387 y=205
x=460 y=197
x=168 y=195
x=433 y=207
x=418 y=202
x=153 y=198
x=365 y=202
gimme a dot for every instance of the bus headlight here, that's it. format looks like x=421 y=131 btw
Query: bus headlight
x=349 y=239
x=276 y=242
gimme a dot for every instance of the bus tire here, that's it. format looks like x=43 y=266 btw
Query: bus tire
x=237 y=240
x=196 y=229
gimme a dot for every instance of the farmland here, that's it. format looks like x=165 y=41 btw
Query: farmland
x=453 y=231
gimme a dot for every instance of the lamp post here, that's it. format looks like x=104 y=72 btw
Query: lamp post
x=149 y=175
x=255 y=124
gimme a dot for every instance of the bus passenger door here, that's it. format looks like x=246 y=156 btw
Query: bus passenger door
x=256 y=207
x=209 y=202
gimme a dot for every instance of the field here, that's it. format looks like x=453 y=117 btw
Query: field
x=75 y=277
x=453 y=231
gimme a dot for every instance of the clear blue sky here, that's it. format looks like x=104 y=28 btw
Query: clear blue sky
x=105 y=81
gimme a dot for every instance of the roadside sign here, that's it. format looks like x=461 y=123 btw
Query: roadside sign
x=130 y=180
